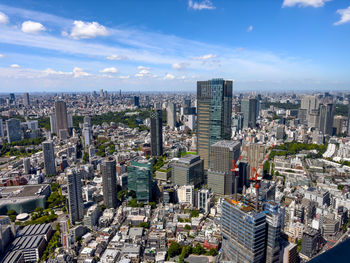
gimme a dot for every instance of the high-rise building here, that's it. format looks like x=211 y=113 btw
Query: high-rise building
x=109 y=181
x=171 y=115
x=14 y=132
x=26 y=165
x=87 y=121
x=326 y=118
x=214 y=111
x=140 y=179
x=12 y=98
x=49 y=158
x=311 y=242
x=61 y=116
x=75 y=196
x=156 y=133
x=136 y=101
x=280 y=132
x=87 y=136
x=256 y=154
x=243 y=231
x=53 y=123
x=220 y=178
x=185 y=194
x=70 y=120
x=339 y=123
x=249 y=109
x=204 y=200
x=1 y=129
x=274 y=224
x=188 y=170
x=26 y=101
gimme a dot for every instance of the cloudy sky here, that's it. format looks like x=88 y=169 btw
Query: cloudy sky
x=156 y=45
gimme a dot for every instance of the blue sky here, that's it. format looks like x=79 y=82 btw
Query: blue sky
x=139 y=45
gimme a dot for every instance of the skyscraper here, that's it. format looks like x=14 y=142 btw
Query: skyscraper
x=109 y=181
x=26 y=100
x=326 y=118
x=243 y=231
x=249 y=110
x=136 y=101
x=75 y=196
x=61 y=116
x=214 y=110
x=188 y=170
x=220 y=177
x=171 y=115
x=49 y=158
x=87 y=135
x=14 y=132
x=53 y=125
x=156 y=133
x=140 y=179
x=26 y=165
x=1 y=128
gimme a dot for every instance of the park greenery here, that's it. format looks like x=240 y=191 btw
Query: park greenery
x=20 y=148
x=292 y=148
x=41 y=216
x=186 y=153
x=56 y=199
x=12 y=215
x=175 y=249
x=52 y=245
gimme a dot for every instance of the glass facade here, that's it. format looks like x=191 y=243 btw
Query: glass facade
x=140 y=180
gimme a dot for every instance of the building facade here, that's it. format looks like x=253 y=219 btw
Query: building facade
x=140 y=179
x=109 y=181
x=156 y=133
x=49 y=158
x=75 y=196
x=188 y=170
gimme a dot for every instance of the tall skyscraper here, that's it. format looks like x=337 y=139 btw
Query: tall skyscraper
x=156 y=133
x=214 y=111
x=136 y=101
x=53 y=125
x=140 y=179
x=61 y=116
x=171 y=115
x=1 y=129
x=109 y=181
x=26 y=165
x=243 y=231
x=14 y=132
x=188 y=170
x=75 y=196
x=87 y=135
x=326 y=118
x=220 y=178
x=249 y=110
x=26 y=100
x=49 y=158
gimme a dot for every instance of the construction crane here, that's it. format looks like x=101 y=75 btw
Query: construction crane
x=235 y=169
x=256 y=177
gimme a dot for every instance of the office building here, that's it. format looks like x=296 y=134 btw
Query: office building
x=136 y=101
x=26 y=101
x=92 y=215
x=280 y=132
x=140 y=179
x=53 y=126
x=70 y=120
x=255 y=154
x=311 y=242
x=204 y=200
x=214 y=112
x=243 y=231
x=171 y=115
x=87 y=136
x=87 y=121
x=156 y=133
x=14 y=132
x=75 y=196
x=185 y=194
x=1 y=129
x=339 y=123
x=274 y=224
x=290 y=253
x=249 y=109
x=49 y=158
x=188 y=170
x=237 y=122
x=220 y=178
x=26 y=165
x=61 y=117
x=326 y=119
x=109 y=181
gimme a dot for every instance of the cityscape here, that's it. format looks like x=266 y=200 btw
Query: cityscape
x=199 y=162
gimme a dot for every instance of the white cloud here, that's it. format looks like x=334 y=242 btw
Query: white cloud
x=78 y=72
x=180 y=65
x=205 y=4
x=143 y=67
x=250 y=28
x=88 y=30
x=3 y=18
x=344 y=16
x=14 y=66
x=124 y=77
x=31 y=27
x=304 y=3
x=169 y=76
x=109 y=70
x=205 y=57
x=50 y=71
x=144 y=73
x=115 y=57
x=2 y=55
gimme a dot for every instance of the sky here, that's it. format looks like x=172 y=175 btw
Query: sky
x=157 y=45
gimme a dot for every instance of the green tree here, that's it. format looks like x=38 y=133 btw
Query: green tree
x=188 y=227
x=198 y=249
x=12 y=215
x=86 y=157
x=174 y=249
x=194 y=213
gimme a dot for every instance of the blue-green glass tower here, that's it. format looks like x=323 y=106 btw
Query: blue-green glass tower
x=214 y=112
x=140 y=179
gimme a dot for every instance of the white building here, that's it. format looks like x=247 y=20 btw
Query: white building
x=185 y=194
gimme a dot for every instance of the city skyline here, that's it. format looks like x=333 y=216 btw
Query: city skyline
x=84 y=48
